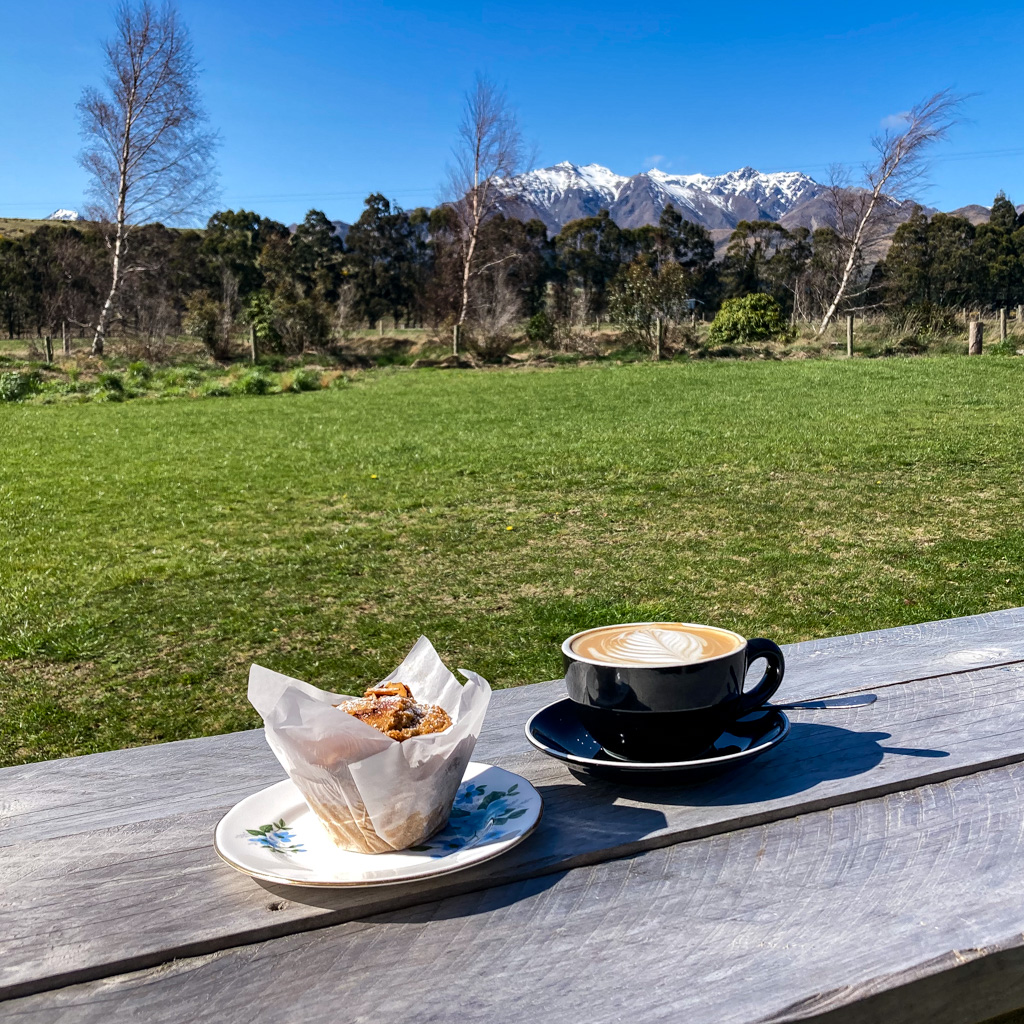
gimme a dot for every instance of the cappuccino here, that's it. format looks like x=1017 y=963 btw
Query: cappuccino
x=654 y=644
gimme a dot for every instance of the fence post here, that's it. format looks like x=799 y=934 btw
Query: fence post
x=65 y=340
x=1020 y=316
x=380 y=328
x=974 y=335
x=253 y=350
x=1002 y=324
x=49 y=349
x=849 y=335
x=456 y=332
x=659 y=337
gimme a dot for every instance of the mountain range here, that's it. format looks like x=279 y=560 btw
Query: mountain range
x=566 y=191
x=559 y=194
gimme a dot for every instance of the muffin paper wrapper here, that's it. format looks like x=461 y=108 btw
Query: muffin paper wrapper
x=372 y=793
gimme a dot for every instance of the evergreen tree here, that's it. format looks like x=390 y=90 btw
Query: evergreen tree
x=317 y=257
x=1000 y=253
x=590 y=252
x=752 y=245
x=384 y=253
x=682 y=241
x=233 y=241
x=522 y=253
x=953 y=279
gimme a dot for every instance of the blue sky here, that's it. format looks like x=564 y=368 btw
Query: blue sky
x=320 y=102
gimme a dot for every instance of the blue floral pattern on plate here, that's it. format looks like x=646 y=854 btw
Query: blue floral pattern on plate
x=276 y=836
x=493 y=810
x=478 y=816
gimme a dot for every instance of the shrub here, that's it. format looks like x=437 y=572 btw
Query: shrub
x=1006 y=347
x=110 y=381
x=202 y=321
x=491 y=348
x=747 y=321
x=261 y=313
x=185 y=377
x=252 y=382
x=305 y=323
x=15 y=386
x=142 y=372
x=341 y=381
x=63 y=387
x=306 y=379
x=216 y=389
x=634 y=302
x=394 y=357
x=540 y=328
x=275 y=362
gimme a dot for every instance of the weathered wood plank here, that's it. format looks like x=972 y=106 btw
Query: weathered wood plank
x=125 y=786
x=908 y=909
x=81 y=794
x=144 y=893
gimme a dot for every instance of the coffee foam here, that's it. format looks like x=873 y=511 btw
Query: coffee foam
x=654 y=644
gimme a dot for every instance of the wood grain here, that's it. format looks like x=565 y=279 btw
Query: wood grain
x=76 y=795
x=907 y=909
x=147 y=892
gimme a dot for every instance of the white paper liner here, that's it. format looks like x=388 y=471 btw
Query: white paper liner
x=372 y=793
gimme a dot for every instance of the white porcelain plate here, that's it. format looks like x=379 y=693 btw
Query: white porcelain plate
x=274 y=836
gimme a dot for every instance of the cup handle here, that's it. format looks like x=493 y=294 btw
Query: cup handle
x=751 y=700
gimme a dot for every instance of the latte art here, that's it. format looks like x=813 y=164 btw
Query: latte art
x=654 y=644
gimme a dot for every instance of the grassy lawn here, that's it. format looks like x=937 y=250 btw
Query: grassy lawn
x=150 y=551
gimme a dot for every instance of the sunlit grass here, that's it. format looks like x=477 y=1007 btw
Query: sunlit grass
x=150 y=551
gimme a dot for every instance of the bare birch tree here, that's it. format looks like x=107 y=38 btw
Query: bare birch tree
x=863 y=213
x=147 y=147
x=488 y=157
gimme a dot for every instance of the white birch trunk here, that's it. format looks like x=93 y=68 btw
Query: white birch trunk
x=122 y=199
x=851 y=262
x=474 y=230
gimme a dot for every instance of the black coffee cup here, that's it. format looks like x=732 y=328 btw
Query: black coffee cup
x=667 y=712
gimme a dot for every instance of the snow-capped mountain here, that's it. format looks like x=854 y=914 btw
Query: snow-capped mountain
x=559 y=194
x=64 y=215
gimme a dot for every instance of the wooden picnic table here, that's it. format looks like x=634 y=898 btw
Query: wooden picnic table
x=869 y=869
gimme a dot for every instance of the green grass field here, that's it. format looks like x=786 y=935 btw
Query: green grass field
x=149 y=552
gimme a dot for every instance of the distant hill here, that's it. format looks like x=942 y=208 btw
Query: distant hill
x=17 y=227
x=977 y=214
x=340 y=228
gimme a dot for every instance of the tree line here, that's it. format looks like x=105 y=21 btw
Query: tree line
x=305 y=288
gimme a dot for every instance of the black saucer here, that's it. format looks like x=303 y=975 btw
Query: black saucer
x=556 y=730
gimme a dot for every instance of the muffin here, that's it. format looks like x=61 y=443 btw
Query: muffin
x=392 y=709
x=383 y=775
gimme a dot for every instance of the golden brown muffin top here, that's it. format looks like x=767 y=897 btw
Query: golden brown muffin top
x=392 y=709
